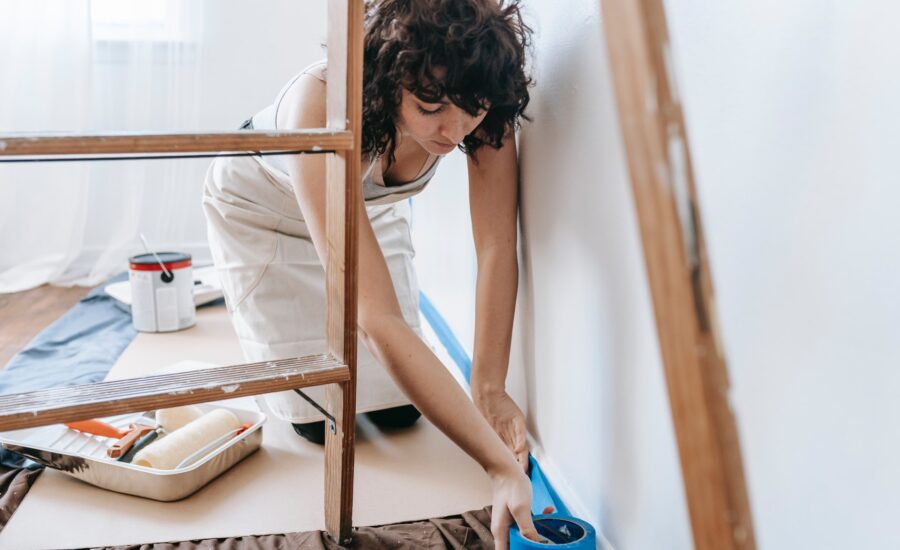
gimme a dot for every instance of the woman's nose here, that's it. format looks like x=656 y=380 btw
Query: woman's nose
x=457 y=127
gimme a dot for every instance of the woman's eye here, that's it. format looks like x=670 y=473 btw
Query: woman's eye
x=426 y=112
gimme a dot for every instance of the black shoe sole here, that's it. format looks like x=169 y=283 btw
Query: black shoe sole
x=312 y=431
x=397 y=417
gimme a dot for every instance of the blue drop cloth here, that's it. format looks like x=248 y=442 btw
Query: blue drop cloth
x=78 y=348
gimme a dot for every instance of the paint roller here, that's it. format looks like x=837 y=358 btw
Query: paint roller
x=188 y=440
x=162 y=422
x=177 y=417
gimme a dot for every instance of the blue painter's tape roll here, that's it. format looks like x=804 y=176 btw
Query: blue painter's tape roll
x=558 y=531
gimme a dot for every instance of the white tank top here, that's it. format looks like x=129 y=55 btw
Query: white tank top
x=374 y=189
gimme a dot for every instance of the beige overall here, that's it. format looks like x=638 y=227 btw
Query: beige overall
x=273 y=280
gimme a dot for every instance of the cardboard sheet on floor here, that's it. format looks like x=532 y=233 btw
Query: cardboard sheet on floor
x=400 y=476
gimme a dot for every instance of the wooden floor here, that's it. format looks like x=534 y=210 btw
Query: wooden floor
x=24 y=314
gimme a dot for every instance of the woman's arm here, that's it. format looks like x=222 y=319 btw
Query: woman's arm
x=420 y=375
x=494 y=202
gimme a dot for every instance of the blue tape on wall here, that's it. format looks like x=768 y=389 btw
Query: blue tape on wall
x=542 y=493
x=446 y=336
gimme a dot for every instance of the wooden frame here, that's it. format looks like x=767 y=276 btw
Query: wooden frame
x=344 y=111
x=662 y=181
x=315 y=141
x=337 y=369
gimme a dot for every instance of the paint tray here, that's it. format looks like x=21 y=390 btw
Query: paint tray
x=83 y=456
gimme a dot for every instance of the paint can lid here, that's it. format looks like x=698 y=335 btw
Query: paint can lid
x=149 y=262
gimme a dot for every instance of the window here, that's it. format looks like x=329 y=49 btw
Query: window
x=137 y=21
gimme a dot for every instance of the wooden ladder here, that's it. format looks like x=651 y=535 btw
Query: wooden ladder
x=662 y=182
x=336 y=369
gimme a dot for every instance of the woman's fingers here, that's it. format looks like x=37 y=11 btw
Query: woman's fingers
x=500 y=521
x=522 y=517
x=501 y=539
x=521 y=434
x=508 y=422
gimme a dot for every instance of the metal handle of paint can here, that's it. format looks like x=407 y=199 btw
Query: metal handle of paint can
x=167 y=275
x=558 y=532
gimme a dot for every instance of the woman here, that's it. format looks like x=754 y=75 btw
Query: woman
x=438 y=74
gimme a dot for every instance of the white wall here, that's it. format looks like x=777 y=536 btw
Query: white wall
x=793 y=120
x=584 y=363
x=793 y=112
x=585 y=340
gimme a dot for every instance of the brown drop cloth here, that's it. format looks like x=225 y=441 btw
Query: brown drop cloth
x=14 y=484
x=469 y=530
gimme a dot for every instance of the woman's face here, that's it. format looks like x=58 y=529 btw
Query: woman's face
x=437 y=127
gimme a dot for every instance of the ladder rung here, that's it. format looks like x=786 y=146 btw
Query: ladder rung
x=312 y=140
x=80 y=402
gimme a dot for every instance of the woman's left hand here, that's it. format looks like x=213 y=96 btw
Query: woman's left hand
x=508 y=421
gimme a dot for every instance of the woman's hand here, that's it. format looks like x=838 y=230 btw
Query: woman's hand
x=511 y=502
x=508 y=421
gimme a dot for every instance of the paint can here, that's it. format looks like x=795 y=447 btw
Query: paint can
x=558 y=532
x=162 y=291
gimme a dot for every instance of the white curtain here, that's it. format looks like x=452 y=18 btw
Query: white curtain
x=43 y=66
x=91 y=66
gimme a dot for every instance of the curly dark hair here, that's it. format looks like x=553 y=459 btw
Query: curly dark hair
x=480 y=47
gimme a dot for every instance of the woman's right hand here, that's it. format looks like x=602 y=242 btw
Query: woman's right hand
x=507 y=419
x=511 y=502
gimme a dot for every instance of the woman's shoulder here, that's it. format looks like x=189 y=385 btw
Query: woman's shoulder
x=302 y=102
x=317 y=70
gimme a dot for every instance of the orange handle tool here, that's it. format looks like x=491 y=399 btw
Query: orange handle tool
x=121 y=446
x=96 y=427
